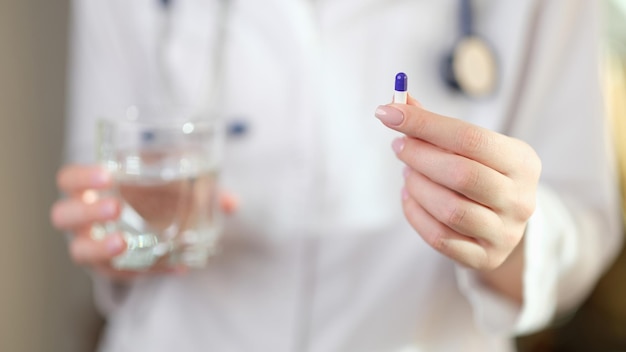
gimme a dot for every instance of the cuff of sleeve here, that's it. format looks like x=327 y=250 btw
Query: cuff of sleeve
x=544 y=252
x=108 y=295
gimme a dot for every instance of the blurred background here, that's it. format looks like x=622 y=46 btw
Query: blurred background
x=45 y=302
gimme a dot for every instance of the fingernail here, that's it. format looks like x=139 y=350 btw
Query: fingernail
x=405 y=193
x=398 y=145
x=114 y=244
x=389 y=115
x=108 y=208
x=406 y=171
x=101 y=178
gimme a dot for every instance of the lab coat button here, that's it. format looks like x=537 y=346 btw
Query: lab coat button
x=236 y=128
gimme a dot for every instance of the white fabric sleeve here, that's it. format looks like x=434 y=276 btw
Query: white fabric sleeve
x=550 y=255
x=575 y=232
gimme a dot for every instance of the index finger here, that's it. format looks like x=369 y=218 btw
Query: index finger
x=78 y=178
x=460 y=137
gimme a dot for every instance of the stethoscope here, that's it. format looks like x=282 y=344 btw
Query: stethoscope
x=469 y=68
x=235 y=127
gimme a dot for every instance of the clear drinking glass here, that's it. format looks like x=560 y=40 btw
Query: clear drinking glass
x=165 y=164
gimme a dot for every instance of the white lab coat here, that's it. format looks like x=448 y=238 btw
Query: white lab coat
x=319 y=257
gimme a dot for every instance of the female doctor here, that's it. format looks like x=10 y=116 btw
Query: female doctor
x=476 y=214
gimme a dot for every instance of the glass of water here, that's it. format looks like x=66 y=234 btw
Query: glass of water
x=165 y=164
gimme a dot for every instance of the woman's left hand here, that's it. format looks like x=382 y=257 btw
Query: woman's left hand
x=469 y=191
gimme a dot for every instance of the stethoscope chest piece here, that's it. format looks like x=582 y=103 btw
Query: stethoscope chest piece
x=474 y=67
x=471 y=66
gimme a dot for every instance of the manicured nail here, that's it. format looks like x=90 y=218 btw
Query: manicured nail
x=389 y=115
x=398 y=145
x=405 y=193
x=114 y=244
x=100 y=178
x=107 y=208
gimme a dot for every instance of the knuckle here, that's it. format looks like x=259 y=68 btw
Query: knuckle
x=527 y=209
x=520 y=204
x=456 y=213
x=524 y=206
x=495 y=261
x=77 y=252
x=479 y=259
x=464 y=177
x=440 y=242
x=530 y=161
x=471 y=139
x=513 y=239
x=485 y=260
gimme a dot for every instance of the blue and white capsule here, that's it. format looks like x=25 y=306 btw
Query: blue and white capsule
x=400 y=92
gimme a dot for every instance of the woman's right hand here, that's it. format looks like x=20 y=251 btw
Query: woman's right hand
x=80 y=209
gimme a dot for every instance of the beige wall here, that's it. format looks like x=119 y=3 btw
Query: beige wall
x=45 y=303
